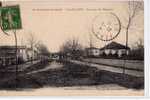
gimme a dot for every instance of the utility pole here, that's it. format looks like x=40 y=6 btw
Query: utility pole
x=16 y=48
x=91 y=44
x=16 y=54
x=126 y=52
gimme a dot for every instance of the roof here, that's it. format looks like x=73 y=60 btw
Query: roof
x=114 y=45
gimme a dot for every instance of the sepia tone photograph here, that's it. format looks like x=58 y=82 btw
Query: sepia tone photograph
x=72 y=48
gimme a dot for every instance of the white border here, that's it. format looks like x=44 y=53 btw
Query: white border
x=147 y=47
x=147 y=53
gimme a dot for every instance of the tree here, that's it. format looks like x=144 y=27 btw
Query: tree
x=32 y=42
x=137 y=52
x=72 y=48
x=42 y=49
x=140 y=43
x=134 y=7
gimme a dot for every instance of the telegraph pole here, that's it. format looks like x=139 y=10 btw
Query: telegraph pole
x=126 y=52
x=16 y=56
x=91 y=43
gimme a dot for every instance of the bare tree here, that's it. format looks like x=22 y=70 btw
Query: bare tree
x=42 y=49
x=72 y=48
x=134 y=7
x=32 y=42
x=137 y=52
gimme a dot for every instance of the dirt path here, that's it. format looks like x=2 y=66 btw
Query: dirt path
x=53 y=65
x=111 y=68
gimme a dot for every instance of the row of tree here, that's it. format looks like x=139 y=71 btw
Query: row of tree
x=37 y=45
x=73 y=48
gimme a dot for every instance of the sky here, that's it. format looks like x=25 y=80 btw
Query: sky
x=55 y=22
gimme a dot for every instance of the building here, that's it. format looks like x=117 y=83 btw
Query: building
x=114 y=49
x=31 y=54
x=24 y=54
x=92 y=52
x=8 y=55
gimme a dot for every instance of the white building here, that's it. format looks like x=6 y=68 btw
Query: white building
x=114 y=48
x=93 y=52
x=8 y=54
x=31 y=54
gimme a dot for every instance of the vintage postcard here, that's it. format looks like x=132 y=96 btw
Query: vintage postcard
x=73 y=48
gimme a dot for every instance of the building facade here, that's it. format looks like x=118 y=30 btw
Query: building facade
x=92 y=52
x=8 y=55
x=114 y=49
